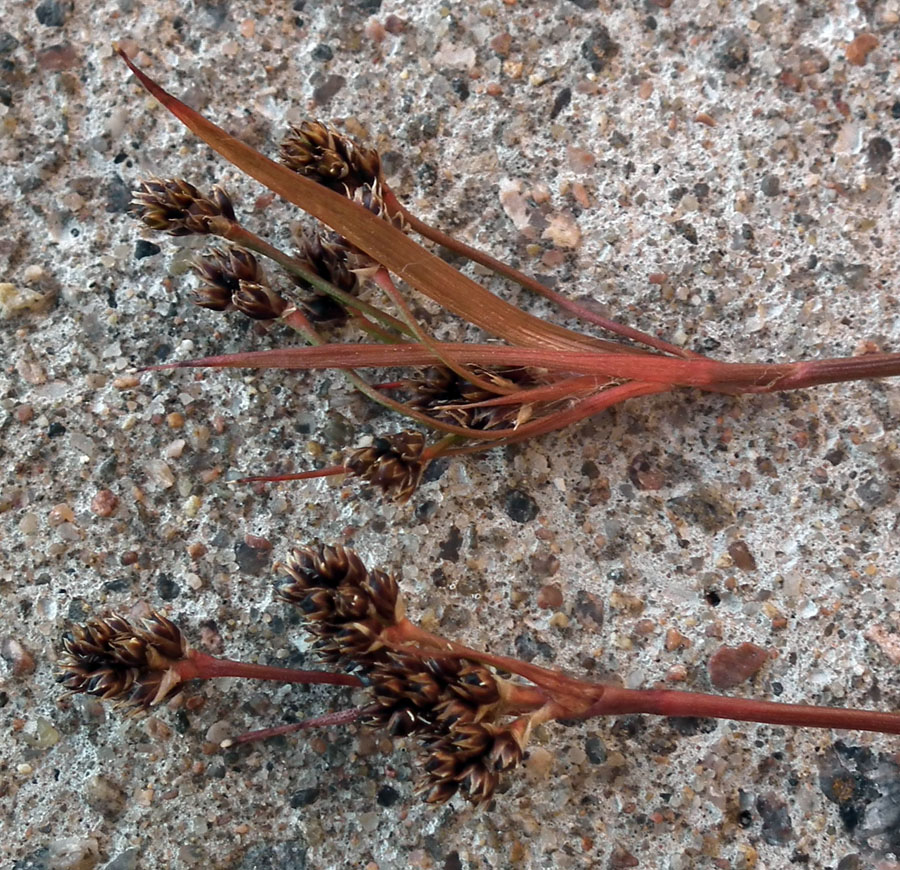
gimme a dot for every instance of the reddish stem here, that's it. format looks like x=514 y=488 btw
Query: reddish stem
x=342 y=717
x=667 y=702
x=410 y=637
x=298 y=475
x=832 y=371
x=200 y=666
x=501 y=268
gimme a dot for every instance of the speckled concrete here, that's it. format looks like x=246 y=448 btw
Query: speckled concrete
x=717 y=172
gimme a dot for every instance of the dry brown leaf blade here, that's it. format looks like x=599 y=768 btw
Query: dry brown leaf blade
x=383 y=242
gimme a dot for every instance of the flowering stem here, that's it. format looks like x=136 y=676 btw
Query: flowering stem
x=667 y=702
x=200 y=666
x=331 y=471
x=342 y=717
x=383 y=242
x=570 y=697
x=501 y=268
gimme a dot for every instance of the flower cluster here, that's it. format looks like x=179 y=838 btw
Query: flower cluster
x=445 y=395
x=176 y=207
x=454 y=706
x=116 y=659
x=394 y=463
x=344 y=606
x=450 y=705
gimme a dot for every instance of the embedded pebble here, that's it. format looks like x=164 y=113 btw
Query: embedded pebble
x=50 y=13
x=20 y=660
x=57 y=58
x=73 y=853
x=40 y=733
x=29 y=523
x=599 y=48
x=730 y=666
x=770 y=185
x=887 y=641
x=743 y=558
x=159 y=474
x=776 y=821
x=550 y=597
x=520 y=506
x=878 y=153
x=219 y=731
x=105 y=503
x=858 y=51
x=175 y=449
x=19 y=300
x=167 y=588
x=562 y=231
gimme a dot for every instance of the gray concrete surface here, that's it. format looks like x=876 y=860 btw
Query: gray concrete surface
x=732 y=148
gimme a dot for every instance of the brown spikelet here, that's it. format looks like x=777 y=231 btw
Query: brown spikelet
x=431 y=695
x=444 y=395
x=175 y=206
x=322 y=153
x=221 y=273
x=343 y=605
x=258 y=301
x=113 y=658
x=469 y=759
x=318 y=565
x=325 y=254
x=394 y=463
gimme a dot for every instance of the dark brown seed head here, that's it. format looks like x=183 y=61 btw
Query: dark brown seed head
x=221 y=273
x=469 y=758
x=429 y=696
x=319 y=565
x=114 y=658
x=404 y=695
x=476 y=685
x=393 y=463
x=175 y=206
x=320 y=152
x=444 y=395
x=258 y=301
x=325 y=255
x=343 y=605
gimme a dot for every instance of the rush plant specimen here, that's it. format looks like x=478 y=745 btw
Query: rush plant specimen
x=530 y=377
x=471 y=712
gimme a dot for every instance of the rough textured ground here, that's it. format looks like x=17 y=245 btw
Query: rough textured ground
x=725 y=174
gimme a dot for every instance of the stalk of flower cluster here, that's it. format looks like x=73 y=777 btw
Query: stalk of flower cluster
x=143 y=663
x=471 y=711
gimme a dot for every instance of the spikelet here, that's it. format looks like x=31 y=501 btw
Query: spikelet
x=469 y=759
x=412 y=694
x=345 y=607
x=394 y=463
x=444 y=395
x=322 y=153
x=175 y=206
x=113 y=658
x=221 y=273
